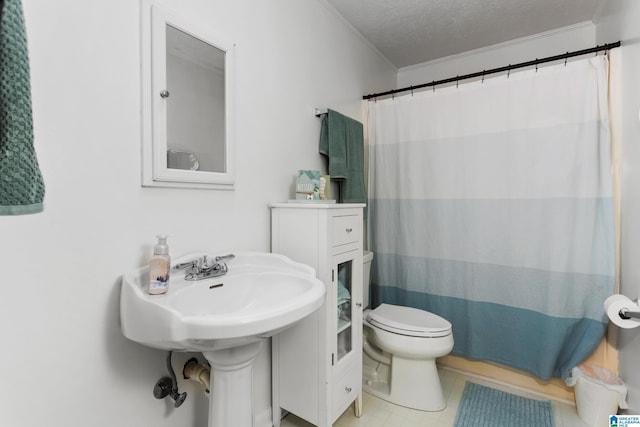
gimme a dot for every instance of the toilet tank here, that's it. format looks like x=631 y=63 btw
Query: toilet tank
x=367 y=257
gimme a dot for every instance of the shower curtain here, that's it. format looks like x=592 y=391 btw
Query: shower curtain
x=491 y=205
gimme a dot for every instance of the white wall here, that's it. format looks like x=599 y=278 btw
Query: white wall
x=64 y=361
x=619 y=21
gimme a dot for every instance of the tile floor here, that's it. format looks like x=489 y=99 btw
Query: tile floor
x=379 y=413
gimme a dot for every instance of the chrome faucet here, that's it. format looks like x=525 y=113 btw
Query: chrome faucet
x=203 y=268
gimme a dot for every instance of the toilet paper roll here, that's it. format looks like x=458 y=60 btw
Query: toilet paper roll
x=614 y=304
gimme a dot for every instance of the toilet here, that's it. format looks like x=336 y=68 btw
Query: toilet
x=400 y=347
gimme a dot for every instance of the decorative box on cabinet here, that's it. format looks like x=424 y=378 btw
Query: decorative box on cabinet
x=317 y=363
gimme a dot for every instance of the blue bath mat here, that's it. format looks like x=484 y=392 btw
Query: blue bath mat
x=487 y=407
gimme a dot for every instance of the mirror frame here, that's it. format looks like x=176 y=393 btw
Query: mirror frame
x=155 y=172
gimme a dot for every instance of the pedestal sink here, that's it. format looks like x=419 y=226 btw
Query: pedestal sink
x=226 y=318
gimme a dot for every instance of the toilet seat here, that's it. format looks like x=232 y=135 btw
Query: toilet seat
x=409 y=321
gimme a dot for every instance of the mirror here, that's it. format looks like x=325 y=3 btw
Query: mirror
x=187 y=103
x=195 y=104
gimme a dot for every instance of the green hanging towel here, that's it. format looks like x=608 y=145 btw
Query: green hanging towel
x=342 y=142
x=21 y=184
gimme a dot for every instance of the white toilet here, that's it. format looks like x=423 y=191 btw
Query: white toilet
x=400 y=347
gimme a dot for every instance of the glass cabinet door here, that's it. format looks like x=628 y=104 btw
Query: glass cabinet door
x=343 y=288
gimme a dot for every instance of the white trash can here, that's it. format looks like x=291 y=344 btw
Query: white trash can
x=598 y=392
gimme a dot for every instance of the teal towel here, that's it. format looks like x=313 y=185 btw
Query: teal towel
x=344 y=299
x=342 y=141
x=343 y=293
x=21 y=184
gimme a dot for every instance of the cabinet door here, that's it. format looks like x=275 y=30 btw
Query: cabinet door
x=343 y=336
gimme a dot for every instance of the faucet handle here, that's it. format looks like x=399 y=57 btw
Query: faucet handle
x=182 y=265
x=225 y=258
x=192 y=266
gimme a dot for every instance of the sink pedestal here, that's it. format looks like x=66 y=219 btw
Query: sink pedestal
x=231 y=397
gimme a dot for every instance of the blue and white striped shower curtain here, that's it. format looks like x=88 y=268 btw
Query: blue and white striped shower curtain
x=491 y=204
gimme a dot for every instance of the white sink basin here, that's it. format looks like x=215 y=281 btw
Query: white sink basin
x=261 y=294
x=226 y=318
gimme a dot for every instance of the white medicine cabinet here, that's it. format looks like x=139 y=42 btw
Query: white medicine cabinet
x=187 y=102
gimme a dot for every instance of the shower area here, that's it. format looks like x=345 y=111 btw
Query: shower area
x=492 y=204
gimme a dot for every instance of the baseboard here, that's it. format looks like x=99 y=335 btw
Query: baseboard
x=555 y=389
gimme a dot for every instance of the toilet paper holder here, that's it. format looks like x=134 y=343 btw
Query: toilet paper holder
x=628 y=314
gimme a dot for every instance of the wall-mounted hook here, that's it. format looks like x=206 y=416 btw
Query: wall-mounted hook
x=319 y=112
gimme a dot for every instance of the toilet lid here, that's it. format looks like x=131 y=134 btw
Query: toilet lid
x=409 y=321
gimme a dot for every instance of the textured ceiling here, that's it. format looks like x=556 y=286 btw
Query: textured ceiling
x=409 y=32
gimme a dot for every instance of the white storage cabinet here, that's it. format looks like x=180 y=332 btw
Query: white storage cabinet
x=317 y=363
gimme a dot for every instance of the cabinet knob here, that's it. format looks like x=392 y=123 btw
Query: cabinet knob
x=164 y=94
x=358 y=304
x=349 y=230
x=347 y=389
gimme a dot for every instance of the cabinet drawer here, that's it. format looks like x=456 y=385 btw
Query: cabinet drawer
x=346 y=229
x=344 y=391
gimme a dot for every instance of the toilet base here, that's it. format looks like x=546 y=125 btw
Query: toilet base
x=421 y=388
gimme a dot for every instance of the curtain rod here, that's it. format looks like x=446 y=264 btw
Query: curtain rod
x=509 y=67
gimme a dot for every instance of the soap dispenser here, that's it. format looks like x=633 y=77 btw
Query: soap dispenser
x=159 y=267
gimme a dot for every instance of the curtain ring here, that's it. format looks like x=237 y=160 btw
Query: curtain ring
x=411 y=87
x=536 y=65
x=565 y=58
x=433 y=84
x=457 y=81
x=483 y=71
x=509 y=71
